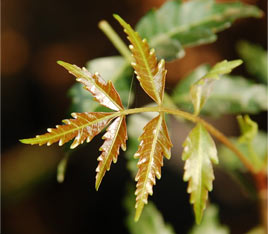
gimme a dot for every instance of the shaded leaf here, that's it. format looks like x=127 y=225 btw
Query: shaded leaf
x=210 y=223
x=199 y=152
x=154 y=143
x=83 y=127
x=248 y=128
x=257 y=230
x=62 y=168
x=103 y=92
x=255 y=58
x=230 y=94
x=150 y=74
x=152 y=221
x=201 y=89
x=115 y=137
x=113 y=68
x=179 y=24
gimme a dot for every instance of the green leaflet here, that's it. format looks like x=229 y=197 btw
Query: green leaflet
x=255 y=59
x=113 y=68
x=198 y=153
x=201 y=89
x=151 y=222
x=176 y=24
x=230 y=94
x=210 y=223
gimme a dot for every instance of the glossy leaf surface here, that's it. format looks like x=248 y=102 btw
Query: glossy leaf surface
x=179 y=24
x=103 y=92
x=201 y=89
x=255 y=58
x=199 y=152
x=113 y=68
x=150 y=74
x=83 y=127
x=114 y=138
x=230 y=94
x=154 y=143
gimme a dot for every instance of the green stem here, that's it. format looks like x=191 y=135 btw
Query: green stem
x=116 y=40
x=216 y=133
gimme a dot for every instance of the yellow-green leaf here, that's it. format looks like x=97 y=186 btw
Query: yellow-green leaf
x=201 y=89
x=198 y=153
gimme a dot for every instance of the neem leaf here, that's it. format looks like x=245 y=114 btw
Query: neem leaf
x=150 y=74
x=199 y=152
x=115 y=137
x=255 y=58
x=83 y=127
x=114 y=68
x=201 y=89
x=180 y=24
x=103 y=92
x=210 y=223
x=154 y=143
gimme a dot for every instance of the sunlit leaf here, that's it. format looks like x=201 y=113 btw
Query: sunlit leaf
x=115 y=137
x=201 y=89
x=83 y=127
x=154 y=143
x=199 y=152
x=255 y=58
x=150 y=74
x=113 y=68
x=103 y=92
x=179 y=24
x=210 y=223
x=230 y=94
x=248 y=128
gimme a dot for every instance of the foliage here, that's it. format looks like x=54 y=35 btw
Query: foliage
x=111 y=97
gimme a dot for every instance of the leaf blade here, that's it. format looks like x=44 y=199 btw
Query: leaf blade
x=154 y=143
x=178 y=24
x=150 y=74
x=199 y=152
x=103 y=92
x=83 y=127
x=115 y=137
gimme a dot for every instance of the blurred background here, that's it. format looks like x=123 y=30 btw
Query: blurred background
x=34 y=35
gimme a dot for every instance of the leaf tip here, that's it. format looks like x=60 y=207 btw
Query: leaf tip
x=138 y=212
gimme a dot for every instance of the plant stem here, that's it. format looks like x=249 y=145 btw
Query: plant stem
x=216 y=133
x=116 y=40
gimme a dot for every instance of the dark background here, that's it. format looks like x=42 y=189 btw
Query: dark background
x=34 y=35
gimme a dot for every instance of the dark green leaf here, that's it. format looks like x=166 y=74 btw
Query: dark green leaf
x=255 y=59
x=230 y=95
x=199 y=152
x=180 y=24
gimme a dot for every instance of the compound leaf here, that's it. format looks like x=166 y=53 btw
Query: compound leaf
x=198 y=153
x=150 y=74
x=154 y=143
x=83 y=127
x=179 y=24
x=115 y=137
x=201 y=89
x=103 y=92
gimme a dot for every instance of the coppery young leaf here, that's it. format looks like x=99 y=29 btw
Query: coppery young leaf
x=150 y=74
x=103 y=92
x=83 y=127
x=115 y=136
x=154 y=143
